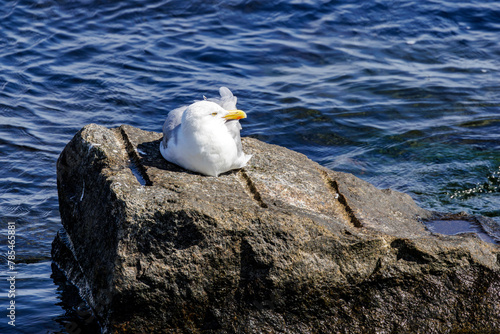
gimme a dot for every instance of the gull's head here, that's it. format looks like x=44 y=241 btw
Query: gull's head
x=209 y=113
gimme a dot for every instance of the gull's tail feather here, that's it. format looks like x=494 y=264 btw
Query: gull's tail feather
x=242 y=161
x=227 y=100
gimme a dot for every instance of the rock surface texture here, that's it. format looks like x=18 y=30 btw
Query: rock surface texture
x=281 y=246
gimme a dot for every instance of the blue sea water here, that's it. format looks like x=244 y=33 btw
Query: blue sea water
x=404 y=94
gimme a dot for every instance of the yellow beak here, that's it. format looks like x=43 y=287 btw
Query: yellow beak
x=235 y=114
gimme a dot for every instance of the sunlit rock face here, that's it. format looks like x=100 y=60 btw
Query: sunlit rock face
x=282 y=245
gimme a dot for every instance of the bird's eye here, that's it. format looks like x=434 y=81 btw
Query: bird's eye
x=214 y=114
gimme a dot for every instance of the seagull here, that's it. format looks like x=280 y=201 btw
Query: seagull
x=204 y=137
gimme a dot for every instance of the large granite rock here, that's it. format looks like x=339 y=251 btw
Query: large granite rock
x=281 y=246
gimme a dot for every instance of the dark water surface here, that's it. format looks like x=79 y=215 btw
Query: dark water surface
x=404 y=94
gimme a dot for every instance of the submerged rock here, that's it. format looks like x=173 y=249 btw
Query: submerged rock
x=281 y=246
